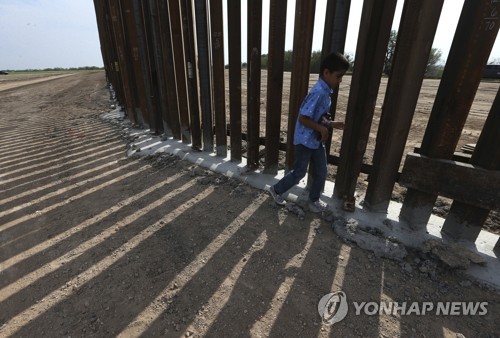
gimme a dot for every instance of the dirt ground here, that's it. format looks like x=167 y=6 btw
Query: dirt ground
x=95 y=244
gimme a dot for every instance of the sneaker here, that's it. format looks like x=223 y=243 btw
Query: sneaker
x=318 y=206
x=276 y=197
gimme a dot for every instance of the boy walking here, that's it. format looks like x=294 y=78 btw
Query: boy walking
x=311 y=133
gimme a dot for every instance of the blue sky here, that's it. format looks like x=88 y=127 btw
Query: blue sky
x=442 y=40
x=38 y=34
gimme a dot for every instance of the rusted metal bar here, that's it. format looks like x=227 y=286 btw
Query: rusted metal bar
x=328 y=31
x=204 y=71
x=118 y=83
x=114 y=66
x=337 y=17
x=465 y=221
x=331 y=12
x=219 y=90
x=137 y=80
x=123 y=60
x=476 y=33
x=375 y=30
x=180 y=68
x=155 y=65
x=462 y=182
x=254 y=78
x=234 y=41
x=418 y=25
x=153 y=115
x=105 y=45
x=302 y=45
x=170 y=116
x=277 y=30
x=192 y=79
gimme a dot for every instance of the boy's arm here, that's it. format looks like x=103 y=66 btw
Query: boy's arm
x=309 y=123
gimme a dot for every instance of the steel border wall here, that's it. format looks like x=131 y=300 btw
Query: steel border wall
x=165 y=60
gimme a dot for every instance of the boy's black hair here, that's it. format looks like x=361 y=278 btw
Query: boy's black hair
x=334 y=62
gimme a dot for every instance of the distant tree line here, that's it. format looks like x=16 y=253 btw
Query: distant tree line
x=58 y=69
x=287 y=62
x=434 y=68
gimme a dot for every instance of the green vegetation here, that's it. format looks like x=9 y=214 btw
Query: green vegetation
x=315 y=61
x=433 y=70
x=53 y=70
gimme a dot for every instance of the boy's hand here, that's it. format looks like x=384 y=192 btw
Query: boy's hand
x=321 y=129
x=324 y=133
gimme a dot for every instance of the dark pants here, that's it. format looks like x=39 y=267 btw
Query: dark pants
x=302 y=157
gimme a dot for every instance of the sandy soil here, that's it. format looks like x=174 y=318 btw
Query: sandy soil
x=96 y=244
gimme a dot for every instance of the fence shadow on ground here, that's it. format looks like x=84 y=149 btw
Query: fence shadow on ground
x=96 y=244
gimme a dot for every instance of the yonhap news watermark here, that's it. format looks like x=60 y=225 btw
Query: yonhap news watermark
x=333 y=308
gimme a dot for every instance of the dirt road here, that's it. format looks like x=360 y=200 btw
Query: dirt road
x=95 y=244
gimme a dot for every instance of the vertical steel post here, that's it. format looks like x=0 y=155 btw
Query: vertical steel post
x=219 y=90
x=156 y=69
x=254 y=78
x=302 y=45
x=137 y=77
x=119 y=87
x=204 y=69
x=192 y=81
x=112 y=69
x=150 y=96
x=277 y=30
x=376 y=21
x=123 y=61
x=337 y=16
x=476 y=33
x=234 y=41
x=105 y=45
x=418 y=25
x=465 y=221
x=180 y=68
x=328 y=30
x=171 y=115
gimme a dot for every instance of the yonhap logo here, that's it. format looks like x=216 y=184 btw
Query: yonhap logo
x=332 y=307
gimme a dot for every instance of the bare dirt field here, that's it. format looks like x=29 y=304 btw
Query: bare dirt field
x=95 y=244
